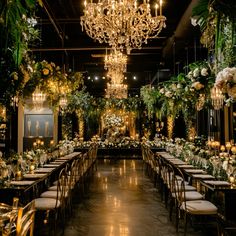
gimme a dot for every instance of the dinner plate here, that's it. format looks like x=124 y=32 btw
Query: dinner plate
x=44 y=170
x=203 y=176
x=217 y=182
x=194 y=171
x=51 y=165
x=186 y=166
x=21 y=182
x=33 y=176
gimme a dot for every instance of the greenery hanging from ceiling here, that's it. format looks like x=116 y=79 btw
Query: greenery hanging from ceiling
x=18 y=33
x=183 y=94
x=216 y=19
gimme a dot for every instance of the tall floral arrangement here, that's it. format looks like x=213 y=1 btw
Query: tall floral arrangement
x=200 y=80
x=226 y=82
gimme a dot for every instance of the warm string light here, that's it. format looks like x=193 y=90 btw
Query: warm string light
x=170 y=126
x=122 y=24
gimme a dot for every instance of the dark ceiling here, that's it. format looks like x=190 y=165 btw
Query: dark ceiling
x=64 y=43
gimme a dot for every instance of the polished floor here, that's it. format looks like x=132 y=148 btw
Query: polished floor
x=121 y=201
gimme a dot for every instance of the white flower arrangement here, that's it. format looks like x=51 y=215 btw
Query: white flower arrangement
x=113 y=120
x=226 y=81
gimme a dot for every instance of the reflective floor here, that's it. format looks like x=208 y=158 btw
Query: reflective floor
x=122 y=201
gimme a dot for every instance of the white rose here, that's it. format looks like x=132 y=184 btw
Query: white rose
x=190 y=75
x=162 y=90
x=174 y=87
x=204 y=72
x=196 y=72
x=168 y=94
x=179 y=86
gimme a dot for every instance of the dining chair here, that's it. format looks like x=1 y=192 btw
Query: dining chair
x=8 y=217
x=174 y=186
x=53 y=206
x=190 y=208
x=25 y=220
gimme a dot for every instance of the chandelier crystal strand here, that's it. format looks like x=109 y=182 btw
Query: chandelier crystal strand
x=116 y=65
x=38 y=98
x=217 y=98
x=122 y=24
x=117 y=60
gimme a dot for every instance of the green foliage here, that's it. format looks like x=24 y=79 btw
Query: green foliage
x=17 y=30
x=149 y=96
x=79 y=100
x=183 y=94
x=200 y=11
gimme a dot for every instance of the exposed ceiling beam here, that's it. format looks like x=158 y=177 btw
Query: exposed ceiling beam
x=85 y=49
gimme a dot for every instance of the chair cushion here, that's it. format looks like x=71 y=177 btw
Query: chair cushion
x=54 y=188
x=46 y=203
x=199 y=207
x=187 y=187
x=193 y=195
x=51 y=194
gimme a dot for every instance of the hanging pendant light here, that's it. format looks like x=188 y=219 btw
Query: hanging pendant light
x=217 y=98
x=38 y=98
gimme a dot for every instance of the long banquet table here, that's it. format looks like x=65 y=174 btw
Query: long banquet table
x=32 y=184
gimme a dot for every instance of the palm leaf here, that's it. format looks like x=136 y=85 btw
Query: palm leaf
x=30 y=3
x=200 y=11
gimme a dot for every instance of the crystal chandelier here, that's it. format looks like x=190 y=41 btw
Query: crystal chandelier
x=116 y=64
x=116 y=91
x=122 y=24
x=116 y=60
x=38 y=98
x=116 y=88
x=217 y=98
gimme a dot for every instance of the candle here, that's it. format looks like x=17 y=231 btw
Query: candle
x=156 y=7
x=160 y=7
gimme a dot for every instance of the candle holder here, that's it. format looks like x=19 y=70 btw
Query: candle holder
x=32 y=168
x=222 y=148
x=19 y=175
x=232 y=179
x=228 y=146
